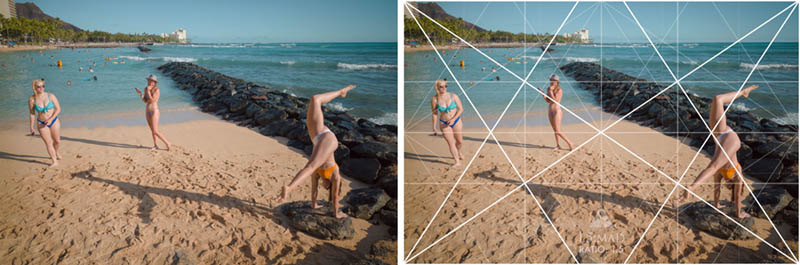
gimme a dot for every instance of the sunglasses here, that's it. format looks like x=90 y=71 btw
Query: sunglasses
x=42 y=86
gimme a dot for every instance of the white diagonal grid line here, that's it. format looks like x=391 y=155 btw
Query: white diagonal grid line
x=492 y=129
x=711 y=130
x=600 y=132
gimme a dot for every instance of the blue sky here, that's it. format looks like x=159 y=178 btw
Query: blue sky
x=237 y=21
x=699 y=21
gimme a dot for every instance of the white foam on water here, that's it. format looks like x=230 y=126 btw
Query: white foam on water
x=768 y=66
x=135 y=58
x=287 y=62
x=337 y=106
x=788 y=119
x=568 y=59
x=387 y=118
x=179 y=59
x=288 y=45
x=365 y=66
x=741 y=107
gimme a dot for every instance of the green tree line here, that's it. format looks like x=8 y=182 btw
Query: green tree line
x=439 y=36
x=34 y=31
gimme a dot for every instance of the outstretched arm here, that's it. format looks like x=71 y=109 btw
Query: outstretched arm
x=314 y=190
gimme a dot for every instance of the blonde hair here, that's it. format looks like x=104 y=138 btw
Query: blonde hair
x=437 y=84
x=33 y=85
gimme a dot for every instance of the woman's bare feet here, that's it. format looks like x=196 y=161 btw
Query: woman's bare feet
x=54 y=164
x=168 y=146
x=746 y=91
x=346 y=89
x=340 y=214
x=460 y=155
x=743 y=214
x=457 y=164
x=58 y=156
x=315 y=206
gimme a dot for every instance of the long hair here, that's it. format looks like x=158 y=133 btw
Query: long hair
x=33 y=85
x=437 y=84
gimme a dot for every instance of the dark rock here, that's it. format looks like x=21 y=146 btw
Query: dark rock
x=773 y=199
x=318 y=222
x=389 y=218
x=363 y=203
x=341 y=153
x=773 y=149
x=705 y=218
x=766 y=169
x=372 y=149
x=790 y=184
x=266 y=117
x=253 y=109
x=362 y=169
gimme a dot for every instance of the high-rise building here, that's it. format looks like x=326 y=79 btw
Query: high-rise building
x=8 y=10
x=179 y=35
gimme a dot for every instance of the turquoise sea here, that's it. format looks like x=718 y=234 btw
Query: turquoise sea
x=777 y=75
x=302 y=69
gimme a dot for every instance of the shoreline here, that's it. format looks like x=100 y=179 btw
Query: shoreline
x=79 y=45
x=426 y=47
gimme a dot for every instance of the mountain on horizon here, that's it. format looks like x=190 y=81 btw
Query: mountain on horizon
x=436 y=12
x=31 y=11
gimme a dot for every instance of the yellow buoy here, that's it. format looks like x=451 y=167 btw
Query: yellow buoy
x=462 y=63
x=59 y=63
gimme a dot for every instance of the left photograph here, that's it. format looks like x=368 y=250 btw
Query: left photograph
x=198 y=133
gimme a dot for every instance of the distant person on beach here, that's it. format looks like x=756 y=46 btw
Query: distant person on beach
x=720 y=167
x=493 y=70
x=44 y=110
x=554 y=114
x=152 y=114
x=91 y=70
x=80 y=69
x=322 y=164
x=69 y=83
x=447 y=110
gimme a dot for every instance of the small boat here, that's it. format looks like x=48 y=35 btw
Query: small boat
x=548 y=49
x=144 y=49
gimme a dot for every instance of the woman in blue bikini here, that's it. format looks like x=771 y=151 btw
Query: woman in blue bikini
x=447 y=110
x=554 y=111
x=152 y=114
x=44 y=110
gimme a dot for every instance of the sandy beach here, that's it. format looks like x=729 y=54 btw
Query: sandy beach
x=599 y=178
x=112 y=200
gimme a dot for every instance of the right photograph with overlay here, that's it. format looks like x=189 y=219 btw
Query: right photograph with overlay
x=600 y=132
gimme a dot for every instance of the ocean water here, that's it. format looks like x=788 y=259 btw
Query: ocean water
x=302 y=69
x=777 y=75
